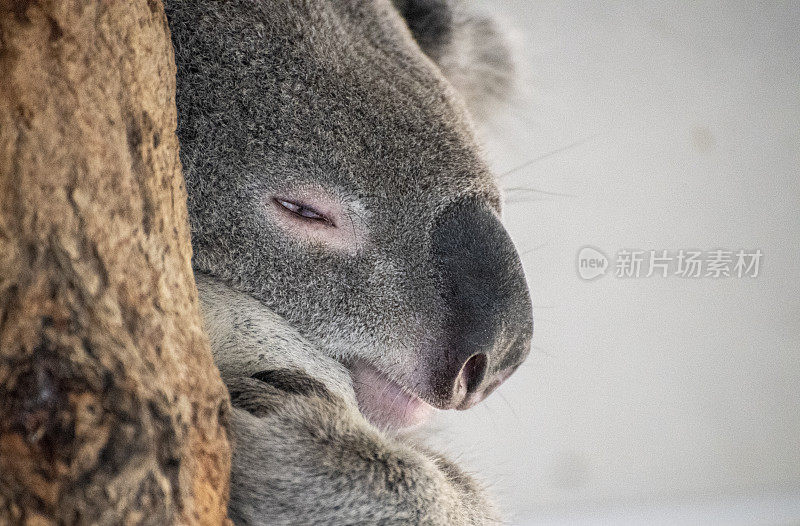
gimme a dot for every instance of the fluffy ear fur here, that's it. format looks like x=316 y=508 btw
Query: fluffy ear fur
x=469 y=48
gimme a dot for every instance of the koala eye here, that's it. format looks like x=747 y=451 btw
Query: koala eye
x=318 y=216
x=303 y=211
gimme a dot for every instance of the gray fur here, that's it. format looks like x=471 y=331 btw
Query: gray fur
x=341 y=471
x=308 y=456
x=236 y=321
x=469 y=48
x=282 y=96
x=312 y=458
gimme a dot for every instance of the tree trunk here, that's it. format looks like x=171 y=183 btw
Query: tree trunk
x=111 y=409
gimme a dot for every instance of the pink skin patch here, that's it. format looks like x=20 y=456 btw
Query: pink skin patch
x=317 y=217
x=385 y=403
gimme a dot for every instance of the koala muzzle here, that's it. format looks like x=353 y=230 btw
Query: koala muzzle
x=488 y=313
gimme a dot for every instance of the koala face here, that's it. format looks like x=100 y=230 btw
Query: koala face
x=333 y=175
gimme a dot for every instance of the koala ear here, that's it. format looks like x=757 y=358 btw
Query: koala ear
x=470 y=49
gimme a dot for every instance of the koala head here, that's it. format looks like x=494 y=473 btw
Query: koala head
x=332 y=173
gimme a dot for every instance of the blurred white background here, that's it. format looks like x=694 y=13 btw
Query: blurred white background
x=667 y=125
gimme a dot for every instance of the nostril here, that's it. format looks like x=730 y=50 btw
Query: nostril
x=472 y=373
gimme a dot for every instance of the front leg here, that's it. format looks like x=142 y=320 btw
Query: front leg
x=304 y=456
x=246 y=337
x=303 y=453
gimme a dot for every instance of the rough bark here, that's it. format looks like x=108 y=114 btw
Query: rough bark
x=111 y=410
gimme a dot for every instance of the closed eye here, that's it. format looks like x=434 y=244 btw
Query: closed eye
x=316 y=217
x=303 y=211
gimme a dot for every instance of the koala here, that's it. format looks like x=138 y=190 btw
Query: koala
x=353 y=271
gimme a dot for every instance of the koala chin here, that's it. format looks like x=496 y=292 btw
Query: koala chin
x=352 y=267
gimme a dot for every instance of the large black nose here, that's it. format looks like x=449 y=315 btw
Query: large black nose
x=488 y=318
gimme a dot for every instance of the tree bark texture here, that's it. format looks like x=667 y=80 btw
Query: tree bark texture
x=111 y=409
